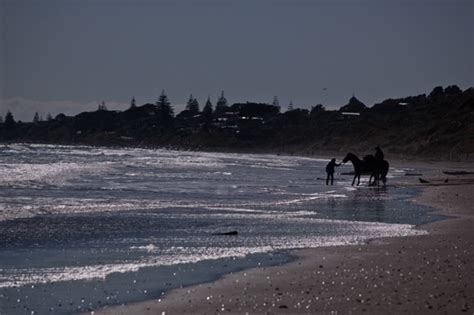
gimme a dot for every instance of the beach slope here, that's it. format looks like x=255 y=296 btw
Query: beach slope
x=431 y=273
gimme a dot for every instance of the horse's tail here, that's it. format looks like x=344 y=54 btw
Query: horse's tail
x=385 y=167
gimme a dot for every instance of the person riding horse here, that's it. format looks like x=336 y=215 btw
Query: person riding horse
x=370 y=165
x=379 y=154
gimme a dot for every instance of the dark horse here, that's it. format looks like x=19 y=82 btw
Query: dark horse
x=377 y=169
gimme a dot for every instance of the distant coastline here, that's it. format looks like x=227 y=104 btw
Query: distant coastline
x=438 y=126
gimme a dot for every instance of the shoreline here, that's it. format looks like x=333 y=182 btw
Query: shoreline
x=281 y=151
x=405 y=274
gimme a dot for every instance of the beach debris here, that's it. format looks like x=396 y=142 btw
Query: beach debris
x=423 y=181
x=446 y=180
x=227 y=233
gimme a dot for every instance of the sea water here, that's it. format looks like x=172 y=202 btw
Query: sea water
x=84 y=227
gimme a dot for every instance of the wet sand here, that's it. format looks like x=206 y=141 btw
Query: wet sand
x=432 y=273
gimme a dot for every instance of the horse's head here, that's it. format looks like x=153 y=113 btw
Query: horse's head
x=349 y=157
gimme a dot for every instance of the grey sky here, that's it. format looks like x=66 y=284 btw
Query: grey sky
x=67 y=55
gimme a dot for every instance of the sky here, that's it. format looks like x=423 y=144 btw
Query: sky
x=68 y=55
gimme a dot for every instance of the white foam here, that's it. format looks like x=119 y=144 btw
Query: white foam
x=276 y=210
x=360 y=232
x=49 y=173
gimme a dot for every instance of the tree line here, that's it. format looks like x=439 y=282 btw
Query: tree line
x=438 y=122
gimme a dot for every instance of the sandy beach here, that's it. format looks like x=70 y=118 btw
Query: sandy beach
x=431 y=274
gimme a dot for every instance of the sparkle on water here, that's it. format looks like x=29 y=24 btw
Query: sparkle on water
x=81 y=213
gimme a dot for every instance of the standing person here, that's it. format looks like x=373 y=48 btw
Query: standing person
x=330 y=170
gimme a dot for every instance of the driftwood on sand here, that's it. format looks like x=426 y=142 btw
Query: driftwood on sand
x=227 y=233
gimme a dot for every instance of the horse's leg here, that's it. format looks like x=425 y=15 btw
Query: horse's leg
x=358 y=180
x=353 y=180
x=372 y=180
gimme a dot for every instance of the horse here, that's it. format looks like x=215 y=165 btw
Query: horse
x=377 y=169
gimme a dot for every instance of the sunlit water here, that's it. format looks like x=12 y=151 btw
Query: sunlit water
x=83 y=227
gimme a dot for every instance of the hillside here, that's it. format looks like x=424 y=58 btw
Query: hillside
x=438 y=126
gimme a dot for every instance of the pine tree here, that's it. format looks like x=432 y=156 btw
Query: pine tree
x=1 y=120
x=164 y=109
x=195 y=106
x=163 y=104
x=188 y=103
x=290 y=106
x=221 y=105
x=102 y=106
x=36 y=118
x=133 y=103
x=9 y=120
x=49 y=117
x=192 y=105
x=276 y=102
x=207 y=110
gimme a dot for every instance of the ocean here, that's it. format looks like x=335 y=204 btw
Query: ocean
x=83 y=227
